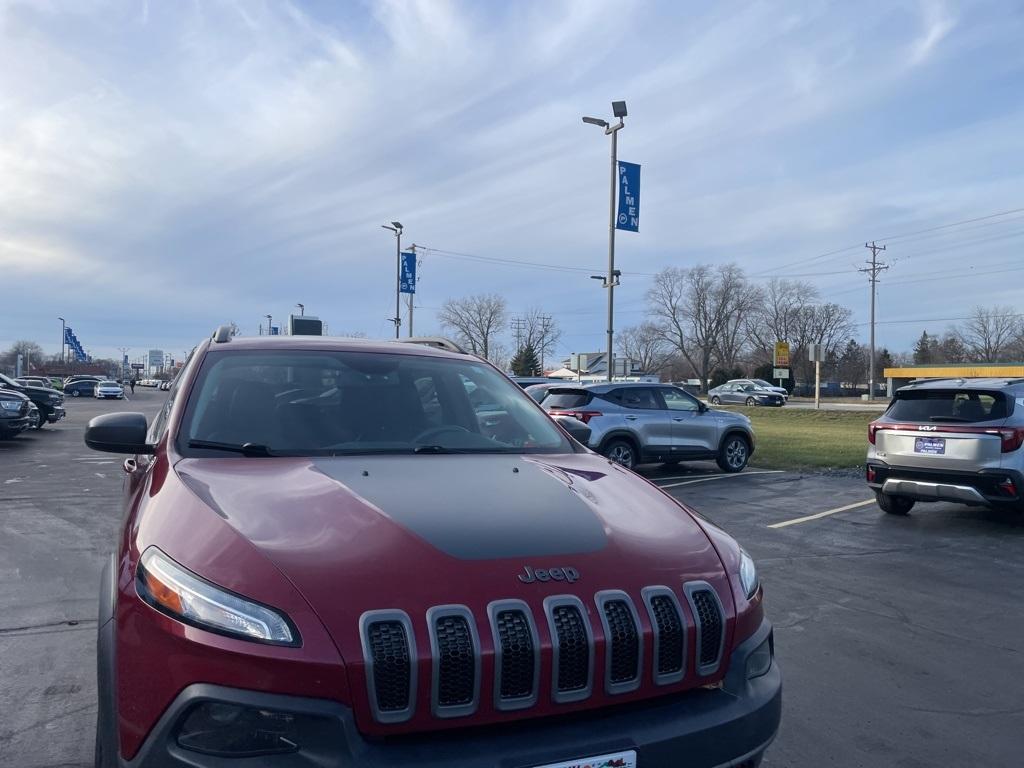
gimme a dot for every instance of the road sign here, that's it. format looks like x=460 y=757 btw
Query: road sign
x=407 y=279
x=138 y=366
x=816 y=352
x=781 y=358
x=780 y=373
x=629 y=197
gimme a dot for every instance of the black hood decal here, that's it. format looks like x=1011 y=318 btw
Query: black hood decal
x=478 y=507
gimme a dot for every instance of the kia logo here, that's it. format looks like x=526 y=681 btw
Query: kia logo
x=929 y=428
x=530 y=575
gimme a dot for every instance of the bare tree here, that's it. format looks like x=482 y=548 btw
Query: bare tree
x=541 y=332
x=738 y=300
x=990 y=333
x=31 y=354
x=783 y=301
x=476 y=320
x=827 y=324
x=696 y=311
x=645 y=345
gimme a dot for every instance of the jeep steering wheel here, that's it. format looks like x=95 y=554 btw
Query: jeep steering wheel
x=432 y=431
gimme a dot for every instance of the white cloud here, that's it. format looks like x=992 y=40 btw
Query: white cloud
x=937 y=21
x=215 y=161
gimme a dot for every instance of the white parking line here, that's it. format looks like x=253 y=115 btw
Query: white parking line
x=678 y=477
x=724 y=477
x=819 y=515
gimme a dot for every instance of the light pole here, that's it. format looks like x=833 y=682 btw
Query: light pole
x=619 y=111
x=396 y=227
x=302 y=309
x=270 y=323
x=62 y=333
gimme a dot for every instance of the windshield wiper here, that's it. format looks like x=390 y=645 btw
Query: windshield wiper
x=246 y=449
x=439 y=449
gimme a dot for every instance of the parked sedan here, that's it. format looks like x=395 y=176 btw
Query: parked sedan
x=81 y=388
x=109 y=389
x=744 y=392
x=33 y=381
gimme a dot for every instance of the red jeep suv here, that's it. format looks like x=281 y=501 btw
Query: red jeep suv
x=351 y=553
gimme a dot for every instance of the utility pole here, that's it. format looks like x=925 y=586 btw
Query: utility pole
x=518 y=324
x=63 y=333
x=873 y=268
x=545 y=329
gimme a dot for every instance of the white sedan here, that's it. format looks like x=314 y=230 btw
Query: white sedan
x=105 y=389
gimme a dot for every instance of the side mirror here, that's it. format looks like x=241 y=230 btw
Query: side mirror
x=579 y=431
x=702 y=406
x=118 y=433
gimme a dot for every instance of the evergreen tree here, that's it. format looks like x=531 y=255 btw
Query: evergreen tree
x=926 y=349
x=526 y=363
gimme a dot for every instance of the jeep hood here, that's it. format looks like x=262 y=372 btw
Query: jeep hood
x=356 y=534
x=383 y=523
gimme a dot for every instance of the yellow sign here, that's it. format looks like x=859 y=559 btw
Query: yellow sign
x=782 y=354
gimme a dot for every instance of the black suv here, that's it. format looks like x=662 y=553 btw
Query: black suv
x=14 y=410
x=49 y=401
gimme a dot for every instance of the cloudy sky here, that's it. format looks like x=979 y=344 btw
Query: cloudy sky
x=169 y=166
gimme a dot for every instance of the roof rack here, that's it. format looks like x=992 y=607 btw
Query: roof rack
x=222 y=334
x=438 y=342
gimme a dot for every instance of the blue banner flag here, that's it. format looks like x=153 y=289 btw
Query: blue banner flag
x=629 y=197
x=407 y=281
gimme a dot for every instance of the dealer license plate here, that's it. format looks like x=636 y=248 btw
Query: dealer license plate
x=931 y=445
x=617 y=760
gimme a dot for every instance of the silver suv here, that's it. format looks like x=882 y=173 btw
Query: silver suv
x=953 y=440
x=635 y=423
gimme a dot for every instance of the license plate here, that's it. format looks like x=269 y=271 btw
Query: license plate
x=617 y=760
x=931 y=445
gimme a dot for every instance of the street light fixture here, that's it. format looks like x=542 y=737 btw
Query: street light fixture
x=619 y=110
x=270 y=323
x=302 y=309
x=396 y=227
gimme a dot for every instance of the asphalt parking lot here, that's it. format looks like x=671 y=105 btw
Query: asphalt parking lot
x=900 y=638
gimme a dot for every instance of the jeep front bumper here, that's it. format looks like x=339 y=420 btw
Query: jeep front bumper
x=705 y=728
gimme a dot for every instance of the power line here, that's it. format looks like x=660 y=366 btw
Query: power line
x=518 y=262
x=906 y=236
x=938 y=319
x=953 y=224
x=960 y=273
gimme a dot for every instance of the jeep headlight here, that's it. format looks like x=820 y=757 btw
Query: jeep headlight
x=10 y=405
x=183 y=595
x=748 y=574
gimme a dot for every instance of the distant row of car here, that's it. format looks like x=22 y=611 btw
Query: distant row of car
x=32 y=402
x=28 y=403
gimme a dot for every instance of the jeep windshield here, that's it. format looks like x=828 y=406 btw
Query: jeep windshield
x=337 y=403
x=948 y=405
